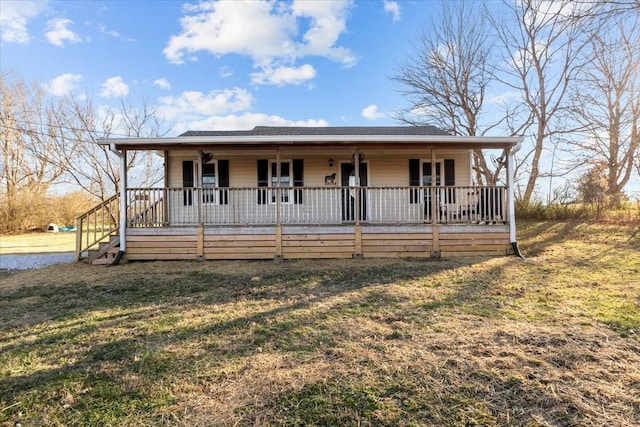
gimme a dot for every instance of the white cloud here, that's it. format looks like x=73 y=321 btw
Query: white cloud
x=371 y=113
x=194 y=105
x=113 y=33
x=58 y=32
x=225 y=72
x=393 y=8
x=103 y=29
x=114 y=87
x=281 y=76
x=504 y=97
x=14 y=17
x=162 y=83
x=221 y=28
x=219 y=110
x=64 y=84
x=327 y=20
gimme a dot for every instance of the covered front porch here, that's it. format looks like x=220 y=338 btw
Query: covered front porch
x=336 y=222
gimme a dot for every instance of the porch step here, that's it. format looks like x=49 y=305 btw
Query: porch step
x=105 y=253
x=107 y=258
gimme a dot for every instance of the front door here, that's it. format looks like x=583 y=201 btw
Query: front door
x=347 y=177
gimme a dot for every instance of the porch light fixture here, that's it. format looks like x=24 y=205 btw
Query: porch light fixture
x=207 y=157
x=330 y=162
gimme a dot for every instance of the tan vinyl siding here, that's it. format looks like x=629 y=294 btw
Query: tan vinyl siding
x=175 y=165
x=385 y=169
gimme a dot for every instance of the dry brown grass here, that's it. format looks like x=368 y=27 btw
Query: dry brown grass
x=547 y=341
x=37 y=243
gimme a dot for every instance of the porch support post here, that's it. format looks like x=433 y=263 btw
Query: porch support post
x=435 y=231
x=278 y=189
x=357 y=230
x=511 y=197
x=165 y=193
x=357 y=234
x=197 y=192
x=278 y=228
x=123 y=201
x=356 y=172
x=200 y=242
x=278 y=257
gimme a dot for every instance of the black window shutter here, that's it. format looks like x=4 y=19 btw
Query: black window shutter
x=449 y=172
x=223 y=181
x=414 y=172
x=298 y=180
x=187 y=173
x=450 y=178
x=187 y=181
x=263 y=180
x=414 y=179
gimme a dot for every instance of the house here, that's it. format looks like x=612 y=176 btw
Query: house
x=307 y=192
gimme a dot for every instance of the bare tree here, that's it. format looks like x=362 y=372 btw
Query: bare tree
x=446 y=80
x=94 y=168
x=607 y=105
x=35 y=150
x=540 y=42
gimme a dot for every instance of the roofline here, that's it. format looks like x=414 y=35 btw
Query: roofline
x=307 y=139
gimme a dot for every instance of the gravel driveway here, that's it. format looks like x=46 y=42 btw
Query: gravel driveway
x=28 y=261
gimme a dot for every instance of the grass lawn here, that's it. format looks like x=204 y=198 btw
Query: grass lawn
x=552 y=340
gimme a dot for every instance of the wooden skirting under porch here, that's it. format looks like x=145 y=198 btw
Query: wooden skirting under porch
x=340 y=241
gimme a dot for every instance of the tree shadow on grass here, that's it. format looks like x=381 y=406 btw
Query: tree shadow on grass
x=134 y=320
x=294 y=311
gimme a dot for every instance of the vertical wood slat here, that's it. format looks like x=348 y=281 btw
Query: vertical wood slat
x=200 y=243
x=358 y=239
x=278 y=237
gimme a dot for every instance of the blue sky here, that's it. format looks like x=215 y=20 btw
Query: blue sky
x=220 y=65
x=227 y=64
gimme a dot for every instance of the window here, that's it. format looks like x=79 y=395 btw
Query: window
x=291 y=175
x=285 y=181
x=214 y=185
x=426 y=174
x=420 y=174
x=209 y=183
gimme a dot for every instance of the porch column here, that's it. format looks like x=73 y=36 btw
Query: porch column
x=199 y=196
x=123 y=201
x=356 y=229
x=165 y=192
x=356 y=172
x=511 y=196
x=435 y=208
x=278 y=229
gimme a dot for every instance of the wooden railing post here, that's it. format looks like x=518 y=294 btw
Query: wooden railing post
x=78 y=237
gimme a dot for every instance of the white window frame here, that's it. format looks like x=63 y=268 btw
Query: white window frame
x=286 y=196
x=439 y=178
x=210 y=194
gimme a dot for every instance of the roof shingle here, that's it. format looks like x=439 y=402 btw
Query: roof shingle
x=333 y=130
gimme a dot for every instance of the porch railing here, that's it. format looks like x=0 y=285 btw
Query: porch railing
x=96 y=224
x=156 y=207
